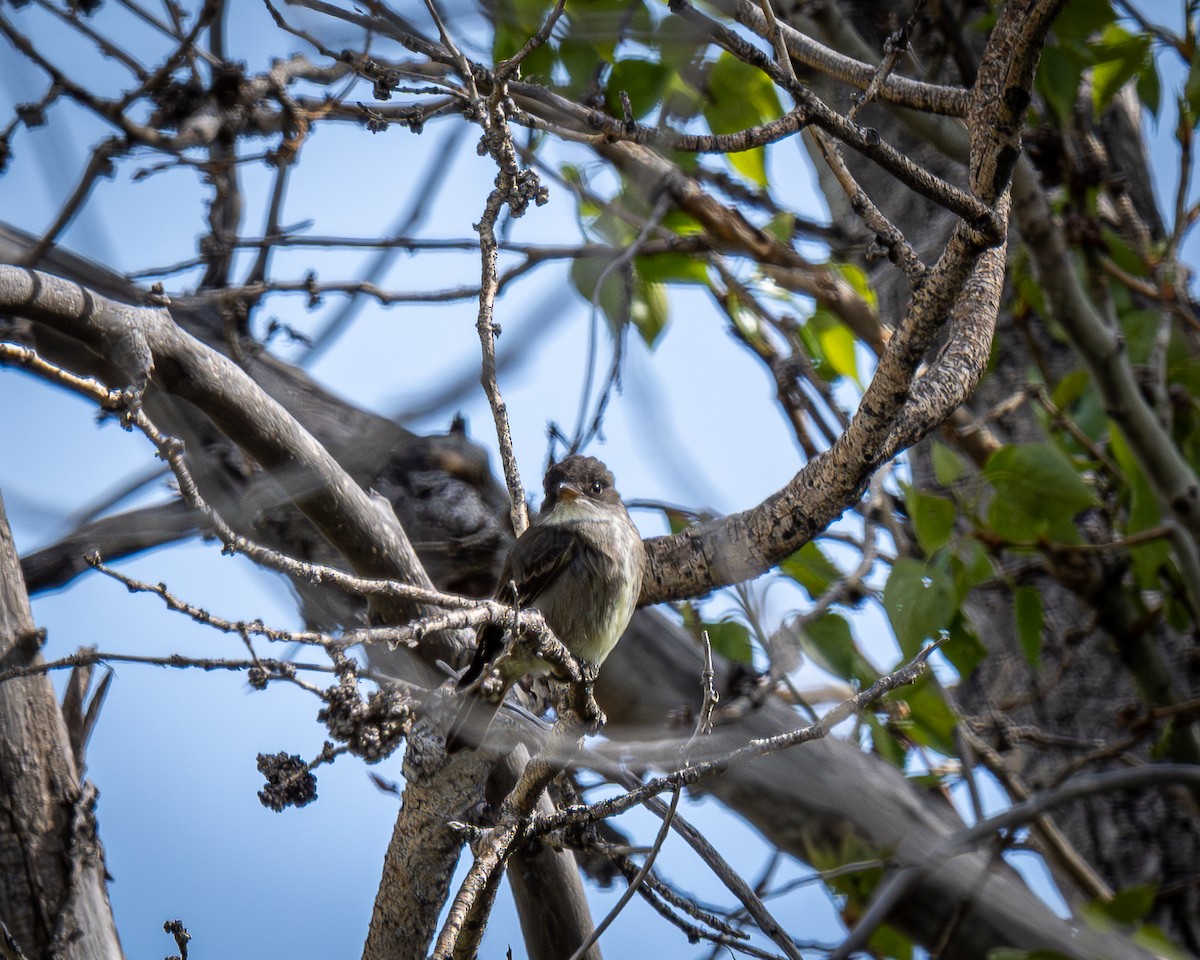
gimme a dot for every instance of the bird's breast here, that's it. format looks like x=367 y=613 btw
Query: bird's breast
x=592 y=604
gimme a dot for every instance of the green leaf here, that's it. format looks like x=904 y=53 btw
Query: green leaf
x=859 y=281
x=1127 y=906
x=582 y=63
x=683 y=224
x=930 y=721
x=644 y=80
x=746 y=320
x=828 y=642
x=679 y=44
x=1123 y=255
x=948 y=466
x=1058 y=76
x=641 y=303
x=1191 y=87
x=810 y=568
x=599 y=23
x=1030 y=618
x=730 y=639
x=607 y=287
x=831 y=345
x=885 y=742
x=1074 y=393
x=649 y=311
x=1143 y=514
x=887 y=941
x=1151 y=938
x=836 y=342
x=921 y=601
x=963 y=649
x=977 y=565
x=741 y=96
x=1070 y=388
x=781 y=226
x=1149 y=88
x=1120 y=55
x=1038 y=491
x=611 y=228
x=516 y=22
x=1082 y=19
x=932 y=517
x=672 y=268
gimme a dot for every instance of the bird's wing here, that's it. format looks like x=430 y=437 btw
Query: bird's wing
x=542 y=553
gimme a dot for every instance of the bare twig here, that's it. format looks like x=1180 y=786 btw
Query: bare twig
x=634 y=884
x=695 y=772
x=895 y=886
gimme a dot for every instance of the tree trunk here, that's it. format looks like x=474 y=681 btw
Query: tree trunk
x=53 y=898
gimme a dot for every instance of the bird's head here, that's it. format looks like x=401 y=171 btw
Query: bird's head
x=579 y=483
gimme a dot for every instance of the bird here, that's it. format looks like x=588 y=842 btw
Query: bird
x=580 y=563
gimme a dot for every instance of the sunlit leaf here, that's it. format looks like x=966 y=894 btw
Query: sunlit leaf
x=859 y=281
x=672 y=268
x=837 y=343
x=741 y=96
x=1121 y=55
x=649 y=310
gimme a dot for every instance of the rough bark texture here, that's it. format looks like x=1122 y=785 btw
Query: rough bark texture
x=819 y=797
x=53 y=898
x=545 y=881
x=1085 y=689
x=830 y=799
x=421 y=858
x=823 y=797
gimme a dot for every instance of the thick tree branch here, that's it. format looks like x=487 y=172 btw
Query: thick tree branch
x=53 y=897
x=147 y=345
x=746 y=544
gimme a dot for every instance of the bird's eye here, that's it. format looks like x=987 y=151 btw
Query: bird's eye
x=597 y=486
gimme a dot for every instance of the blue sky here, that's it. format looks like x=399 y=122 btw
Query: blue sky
x=174 y=751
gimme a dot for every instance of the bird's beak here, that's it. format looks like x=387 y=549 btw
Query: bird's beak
x=567 y=493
